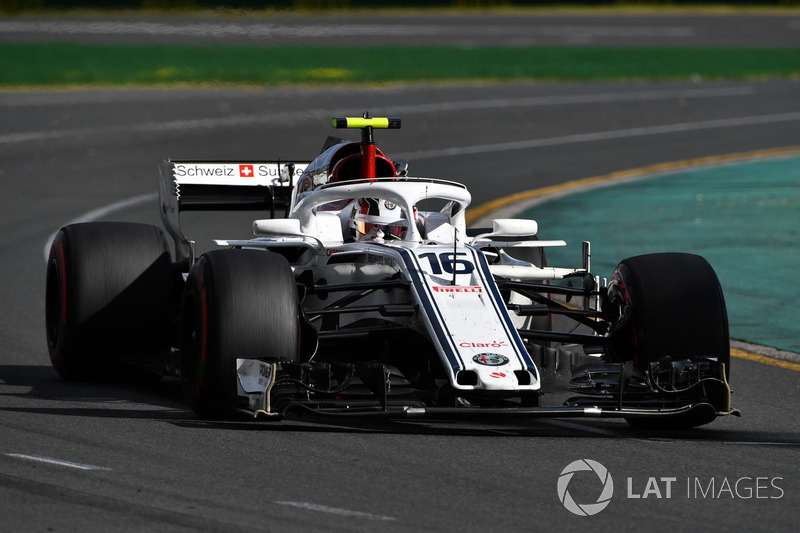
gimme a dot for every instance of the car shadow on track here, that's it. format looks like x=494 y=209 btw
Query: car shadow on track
x=38 y=389
x=543 y=428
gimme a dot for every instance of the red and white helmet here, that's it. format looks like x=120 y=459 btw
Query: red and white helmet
x=373 y=218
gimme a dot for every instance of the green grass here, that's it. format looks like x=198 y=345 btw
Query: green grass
x=56 y=64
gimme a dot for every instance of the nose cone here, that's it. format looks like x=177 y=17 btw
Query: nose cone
x=496 y=378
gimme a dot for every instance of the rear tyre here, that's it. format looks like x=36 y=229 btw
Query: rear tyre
x=108 y=298
x=677 y=310
x=237 y=304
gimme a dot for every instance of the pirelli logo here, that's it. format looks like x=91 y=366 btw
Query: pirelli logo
x=453 y=288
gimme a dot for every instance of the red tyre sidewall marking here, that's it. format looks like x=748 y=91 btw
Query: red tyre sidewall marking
x=623 y=289
x=200 y=372
x=204 y=336
x=61 y=265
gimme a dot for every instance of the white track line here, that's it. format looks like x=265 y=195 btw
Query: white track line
x=600 y=136
x=58 y=462
x=762 y=443
x=292 y=117
x=335 y=510
x=95 y=214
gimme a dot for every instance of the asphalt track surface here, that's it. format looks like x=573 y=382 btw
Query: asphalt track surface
x=470 y=29
x=115 y=457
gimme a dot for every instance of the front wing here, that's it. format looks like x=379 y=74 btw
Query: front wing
x=699 y=391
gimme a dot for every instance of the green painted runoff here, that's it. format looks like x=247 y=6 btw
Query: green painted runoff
x=60 y=64
x=743 y=217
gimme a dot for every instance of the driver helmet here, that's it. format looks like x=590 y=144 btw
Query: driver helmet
x=373 y=218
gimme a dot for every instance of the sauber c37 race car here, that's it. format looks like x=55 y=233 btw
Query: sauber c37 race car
x=364 y=294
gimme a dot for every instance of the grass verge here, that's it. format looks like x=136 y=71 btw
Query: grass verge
x=56 y=64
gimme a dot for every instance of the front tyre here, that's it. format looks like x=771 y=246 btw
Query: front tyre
x=677 y=311
x=238 y=304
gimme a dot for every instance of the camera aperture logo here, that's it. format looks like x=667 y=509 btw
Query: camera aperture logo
x=594 y=479
x=605 y=481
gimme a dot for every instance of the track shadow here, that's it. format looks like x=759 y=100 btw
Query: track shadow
x=49 y=394
x=163 y=400
x=522 y=428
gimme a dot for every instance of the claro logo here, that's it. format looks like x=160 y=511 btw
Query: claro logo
x=605 y=487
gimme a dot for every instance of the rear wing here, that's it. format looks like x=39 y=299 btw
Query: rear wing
x=222 y=186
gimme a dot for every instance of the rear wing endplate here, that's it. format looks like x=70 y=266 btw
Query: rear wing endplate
x=222 y=186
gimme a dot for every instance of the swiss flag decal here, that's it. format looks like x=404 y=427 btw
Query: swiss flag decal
x=245 y=171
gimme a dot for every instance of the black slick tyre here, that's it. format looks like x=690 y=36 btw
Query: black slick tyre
x=108 y=298
x=677 y=311
x=237 y=304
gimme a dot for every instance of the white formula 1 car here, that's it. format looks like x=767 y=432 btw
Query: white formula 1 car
x=364 y=294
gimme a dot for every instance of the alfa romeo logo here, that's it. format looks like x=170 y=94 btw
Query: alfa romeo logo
x=585 y=509
x=490 y=359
